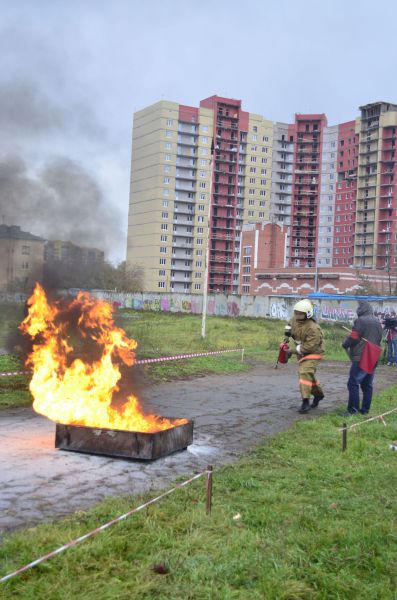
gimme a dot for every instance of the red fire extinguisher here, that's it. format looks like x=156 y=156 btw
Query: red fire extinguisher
x=283 y=355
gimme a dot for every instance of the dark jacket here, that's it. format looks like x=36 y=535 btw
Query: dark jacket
x=365 y=326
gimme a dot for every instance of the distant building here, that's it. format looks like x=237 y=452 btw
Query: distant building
x=21 y=259
x=68 y=254
x=263 y=246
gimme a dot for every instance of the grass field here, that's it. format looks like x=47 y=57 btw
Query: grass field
x=315 y=523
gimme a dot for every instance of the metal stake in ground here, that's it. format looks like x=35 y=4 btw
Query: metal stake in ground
x=208 y=502
x=344 y=437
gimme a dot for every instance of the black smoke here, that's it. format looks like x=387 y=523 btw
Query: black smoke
x=47 y=194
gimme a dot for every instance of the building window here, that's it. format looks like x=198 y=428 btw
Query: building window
x=165 y=203
x=199 y=253
x=26 y=250
x=199 y=242
x=202 y=184
x=252 y=180
x=167 y=157
x=251 y=202
x=164 y=215
x=162 y=261
x=197 y=286
x=168 y=133
x=169 y=122
x=200 y=229
x=163 y=250
x=161 y=284
x=250 y=213
x=204 y=140
x=252 y=169
x=261 y=215
x=166 y=192
x=163 y=238
x=162 y=272
x=166 y=180
x=199 y=263
x=251 y=192
x=253 y=158
x=201 y=206
x=164 y=226
x=246 y=289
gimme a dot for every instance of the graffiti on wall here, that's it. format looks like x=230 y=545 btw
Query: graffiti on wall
x=279 y=310
x=328 y=312
x=275 y=307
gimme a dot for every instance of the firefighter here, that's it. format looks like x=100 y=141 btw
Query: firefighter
x=309 y=350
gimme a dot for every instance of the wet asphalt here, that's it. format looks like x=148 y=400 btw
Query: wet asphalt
x=231 y=413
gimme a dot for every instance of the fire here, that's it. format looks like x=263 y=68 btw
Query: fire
x=70 y=390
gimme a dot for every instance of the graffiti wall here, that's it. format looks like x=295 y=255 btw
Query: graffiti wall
x=274 y=307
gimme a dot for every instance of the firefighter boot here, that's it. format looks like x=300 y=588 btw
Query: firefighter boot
x=305 y=406
x=316 y=400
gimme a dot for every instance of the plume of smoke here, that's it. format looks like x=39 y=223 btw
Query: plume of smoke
x=61 y=202
x=55 y=196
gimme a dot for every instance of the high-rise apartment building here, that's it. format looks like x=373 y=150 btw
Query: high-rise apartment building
x=200 y=173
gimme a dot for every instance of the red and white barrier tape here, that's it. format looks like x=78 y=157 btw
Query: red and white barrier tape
x=99 y=529
x=13 y=373
x=145 y=361
x=378 y=417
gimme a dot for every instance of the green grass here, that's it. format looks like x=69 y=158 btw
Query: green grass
x=316 y=523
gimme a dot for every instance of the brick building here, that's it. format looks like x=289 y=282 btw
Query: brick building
x=21 y=259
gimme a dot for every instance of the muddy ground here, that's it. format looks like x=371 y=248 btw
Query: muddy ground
x=232 y=413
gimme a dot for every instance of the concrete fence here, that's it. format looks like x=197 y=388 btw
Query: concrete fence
x=339 y=309
x=275 y=307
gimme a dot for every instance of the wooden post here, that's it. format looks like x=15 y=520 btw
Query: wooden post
x=208 y=501
x=242 y=355
x=344 y=437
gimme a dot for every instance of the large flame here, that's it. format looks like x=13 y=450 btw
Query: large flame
x=70 y=390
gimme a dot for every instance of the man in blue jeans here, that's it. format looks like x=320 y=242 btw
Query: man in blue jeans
x=365 y=326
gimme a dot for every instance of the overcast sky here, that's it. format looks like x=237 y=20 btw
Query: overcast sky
x=73 y=72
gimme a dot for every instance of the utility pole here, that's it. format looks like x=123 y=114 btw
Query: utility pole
x=316 y=275
x=207 y=250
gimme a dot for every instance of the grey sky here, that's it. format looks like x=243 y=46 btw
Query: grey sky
x=72 y=72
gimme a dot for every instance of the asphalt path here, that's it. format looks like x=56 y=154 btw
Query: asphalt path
x=231 y=413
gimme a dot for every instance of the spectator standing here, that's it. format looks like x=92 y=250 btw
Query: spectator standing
x=365 y=327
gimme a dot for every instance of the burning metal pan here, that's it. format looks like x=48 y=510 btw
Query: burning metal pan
x=124 y=444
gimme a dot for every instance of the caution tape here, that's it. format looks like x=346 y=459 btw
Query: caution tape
x=99 y=529
x=14 y=373
x=377 y=418
x=145 y=361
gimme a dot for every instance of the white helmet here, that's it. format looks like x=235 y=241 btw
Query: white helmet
x=306 y=307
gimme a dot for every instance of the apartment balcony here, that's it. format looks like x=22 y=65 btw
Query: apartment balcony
x=306 y=171
x=178 y=244
x=182 y=267
x=183 y=188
